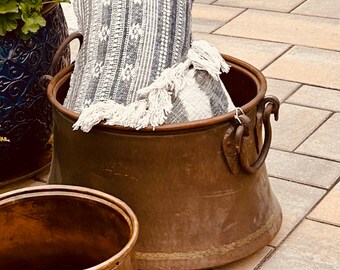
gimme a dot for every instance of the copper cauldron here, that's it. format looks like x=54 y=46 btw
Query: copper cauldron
x=65 y=228
x=200 y=189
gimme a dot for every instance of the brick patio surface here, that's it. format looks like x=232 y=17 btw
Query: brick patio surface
x=296 y=44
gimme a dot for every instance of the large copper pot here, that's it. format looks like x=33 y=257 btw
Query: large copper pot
x=200 y=189
x=65 y=228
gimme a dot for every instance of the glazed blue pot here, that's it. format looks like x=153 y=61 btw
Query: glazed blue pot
x=25 y=113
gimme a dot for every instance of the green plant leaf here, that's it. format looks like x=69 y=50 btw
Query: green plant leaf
x=33 y=23
x=8 y=23
x=24 y=16
x=36 y=4
x=29 y=6
x=62 y=1
x=9 y=6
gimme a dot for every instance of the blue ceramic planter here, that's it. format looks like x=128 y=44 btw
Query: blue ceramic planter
x=25 y=113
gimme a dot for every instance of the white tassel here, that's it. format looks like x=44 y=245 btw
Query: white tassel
x=134 y=115
x=155 y=101
x=96 y=113
x=205 y=56
x=159 y=94
x=171 y=79
x=159 y=106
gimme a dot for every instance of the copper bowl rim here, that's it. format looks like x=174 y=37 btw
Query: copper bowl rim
x=98 y=196
x=64 y=75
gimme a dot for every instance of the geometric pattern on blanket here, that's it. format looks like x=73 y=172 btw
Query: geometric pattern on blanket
x=127 y=44
x=138 y=66
x=188 y=91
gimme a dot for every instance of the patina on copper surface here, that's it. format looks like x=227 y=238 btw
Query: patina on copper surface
x=59 y=227
x=200 y=189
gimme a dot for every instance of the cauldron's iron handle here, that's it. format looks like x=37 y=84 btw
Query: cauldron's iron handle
x=238 y=143
x=45 y=79
x=269 y=105
x=62 y=47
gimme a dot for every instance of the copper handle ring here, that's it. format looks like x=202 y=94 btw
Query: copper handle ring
x=45 y=79
x=62 y=47
x=269 y=105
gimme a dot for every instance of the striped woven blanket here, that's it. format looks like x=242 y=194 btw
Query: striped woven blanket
x=139 y=67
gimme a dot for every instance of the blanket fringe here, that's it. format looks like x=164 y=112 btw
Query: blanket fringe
x=205 y=56
x=154 y=102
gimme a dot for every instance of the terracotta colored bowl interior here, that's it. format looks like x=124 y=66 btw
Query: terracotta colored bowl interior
x=54 y=230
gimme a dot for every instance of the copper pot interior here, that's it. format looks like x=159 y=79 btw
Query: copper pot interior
x=59 y=232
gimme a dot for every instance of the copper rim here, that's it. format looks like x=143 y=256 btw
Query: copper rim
x=239 y=65
x=48 y=7
x=101 y=197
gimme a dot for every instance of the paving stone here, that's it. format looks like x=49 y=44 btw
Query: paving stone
x=328 y=210
x=71 y=18
x=328 y=8
x=303 y=169
x=317 y=97
x=296 y=201
x=208 y=18
x=20 y=184
x=284 y=6
x=295 y=124
x=74 y=46
x=257 y=53
x=312 y=246
x=249 y=262
x=288 y=28
x=72 y=27
x=325 y=142
x=307 y=65
x=280 y=89
x=204 y=1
